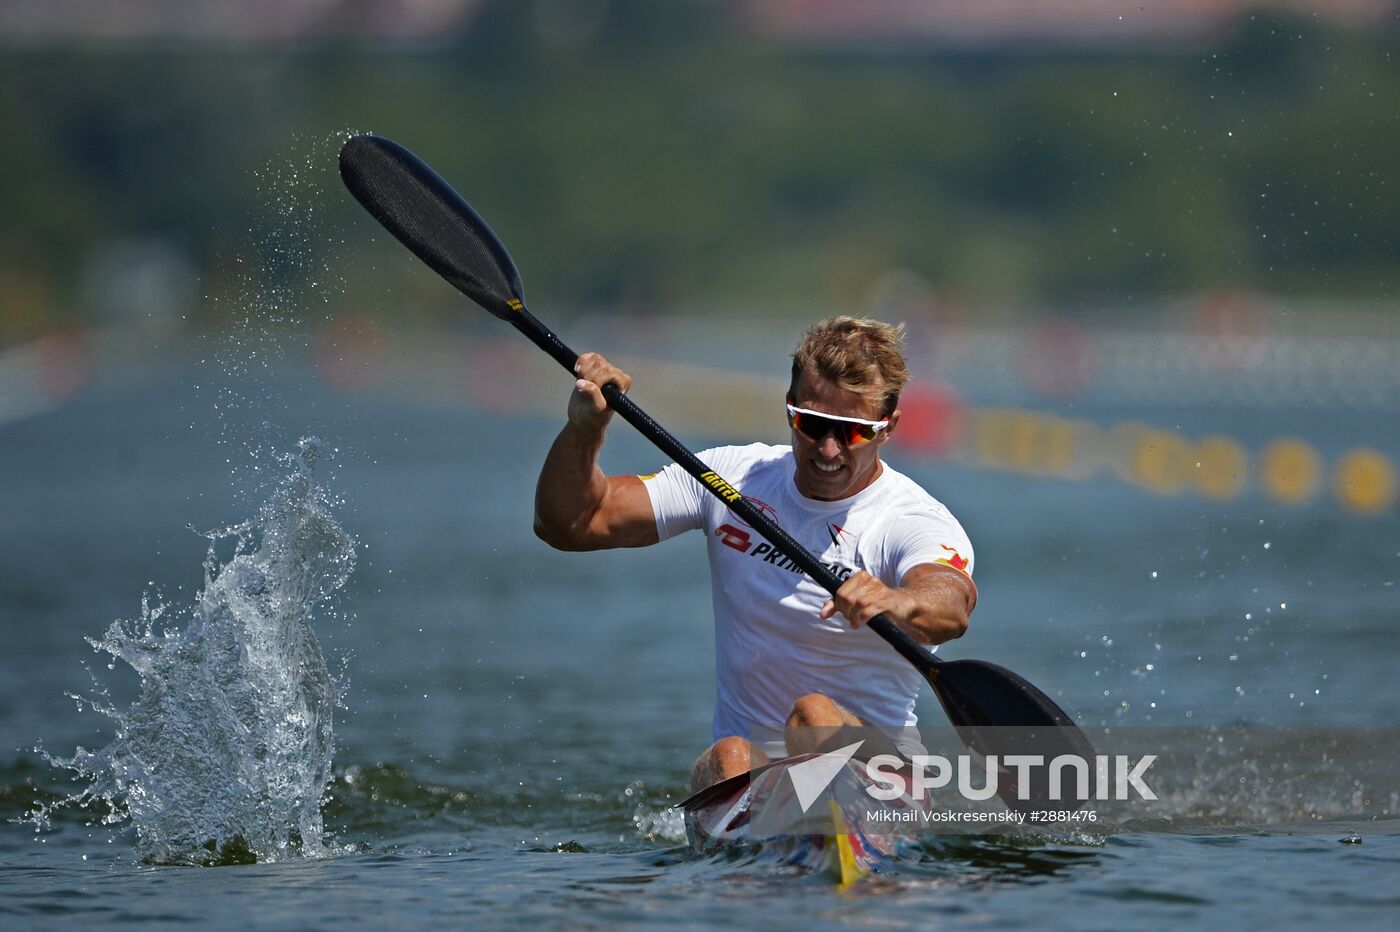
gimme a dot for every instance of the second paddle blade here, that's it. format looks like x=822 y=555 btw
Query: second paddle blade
x=435 y=222
x=996 y=712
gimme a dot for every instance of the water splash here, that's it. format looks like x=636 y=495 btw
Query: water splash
x=225 y=756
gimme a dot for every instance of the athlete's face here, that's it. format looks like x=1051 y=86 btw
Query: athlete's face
x=828 y=468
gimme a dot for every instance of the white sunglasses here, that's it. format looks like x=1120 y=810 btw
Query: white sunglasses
x=851 y=431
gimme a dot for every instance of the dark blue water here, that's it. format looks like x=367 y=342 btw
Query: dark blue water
x=517 y=721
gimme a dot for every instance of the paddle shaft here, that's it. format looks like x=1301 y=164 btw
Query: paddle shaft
x=547 y=340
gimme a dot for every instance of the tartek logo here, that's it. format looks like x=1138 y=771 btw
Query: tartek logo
x=723 y=489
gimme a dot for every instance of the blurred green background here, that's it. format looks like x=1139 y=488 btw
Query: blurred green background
x=682 y=157
x=1153 y=243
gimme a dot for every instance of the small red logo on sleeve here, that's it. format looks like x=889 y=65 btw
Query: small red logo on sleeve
x=957 y=561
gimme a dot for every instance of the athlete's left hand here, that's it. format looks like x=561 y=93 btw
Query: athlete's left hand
x=863 y=596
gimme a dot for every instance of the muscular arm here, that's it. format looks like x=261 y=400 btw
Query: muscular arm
x=932 y=603
x=577 y=507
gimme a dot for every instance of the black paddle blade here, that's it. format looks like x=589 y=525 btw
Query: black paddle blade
x=997 y=712
x=432 y=220
x=977 y=693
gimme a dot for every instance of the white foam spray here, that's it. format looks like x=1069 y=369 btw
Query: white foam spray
x=226 y=753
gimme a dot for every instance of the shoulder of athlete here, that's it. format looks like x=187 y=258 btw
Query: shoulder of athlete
x=909 y=517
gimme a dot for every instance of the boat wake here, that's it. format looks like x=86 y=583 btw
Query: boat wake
x=225 y=755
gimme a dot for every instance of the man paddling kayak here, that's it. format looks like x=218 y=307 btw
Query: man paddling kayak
x=785 y=664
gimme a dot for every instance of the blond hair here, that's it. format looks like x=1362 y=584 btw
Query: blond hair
x=857 y=354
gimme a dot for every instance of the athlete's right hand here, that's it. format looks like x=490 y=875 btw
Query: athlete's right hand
x=587 y=407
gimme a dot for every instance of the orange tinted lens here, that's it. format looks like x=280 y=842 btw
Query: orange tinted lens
x=856 y=434
x=816 y=428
